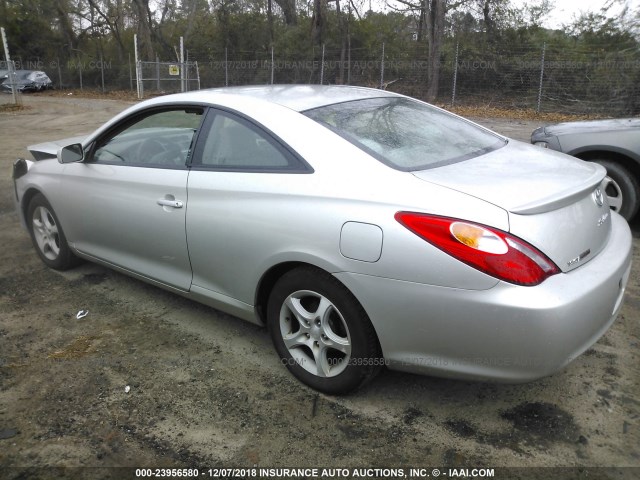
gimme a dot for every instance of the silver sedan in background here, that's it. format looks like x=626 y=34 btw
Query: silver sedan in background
x=614 y=144
x=362 y=227
x=25 y=81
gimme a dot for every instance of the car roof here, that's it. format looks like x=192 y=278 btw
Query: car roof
x=24 y=73
x=295 y=97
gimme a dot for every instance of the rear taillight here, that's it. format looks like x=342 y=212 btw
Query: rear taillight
x=489 y=250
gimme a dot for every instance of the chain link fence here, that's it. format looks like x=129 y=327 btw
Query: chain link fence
x=8 y=82
x=95 y=73
x=164 y=77
x=541 y=77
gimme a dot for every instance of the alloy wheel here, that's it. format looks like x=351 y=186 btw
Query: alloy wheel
x=45 y=231
x=315 y=333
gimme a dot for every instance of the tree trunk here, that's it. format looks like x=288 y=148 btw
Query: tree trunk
x=343 y=29
x=270 y=20
x=435 y=22
x=192 y=12
x=288 y=8
x=422 y=20
x=317 y=25
x=144 y=28
x=488 y=20
x=65 y=23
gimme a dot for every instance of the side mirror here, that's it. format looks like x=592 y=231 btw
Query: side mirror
x=71 y=153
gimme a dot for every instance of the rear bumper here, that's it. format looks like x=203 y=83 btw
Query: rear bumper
x=507 y=333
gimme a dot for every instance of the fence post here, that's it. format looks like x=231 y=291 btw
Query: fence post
x=59 y=73
x=80 y=71
x=544 y=48
x=382 y=69
x=271 y=65
x=157 y=73
x=135 y=50
x=455 y=78
x=102 y=72
x=349 y=57
x=322 y=66
x=186 y=74
x=198 y=74
x=226 y=68
x=11 y=68
x=130 y=73
x=182 y=64
x=141 y=85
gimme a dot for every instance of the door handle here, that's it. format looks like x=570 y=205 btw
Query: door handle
x=163 y=202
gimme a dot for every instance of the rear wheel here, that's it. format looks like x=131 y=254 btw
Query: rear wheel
x=321 y=332
x=621 y=188
x=47 y=235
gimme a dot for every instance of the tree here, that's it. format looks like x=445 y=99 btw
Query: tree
x=66 y=25
x=318 y=21
x=143 y=13
x=431 y=13
x=288 y=8
x=435 y=35
x=112 y=14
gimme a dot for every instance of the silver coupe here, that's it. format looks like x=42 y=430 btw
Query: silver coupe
x=363 y=228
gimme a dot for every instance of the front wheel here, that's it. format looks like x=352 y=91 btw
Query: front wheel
x=621 y=188
x=321 y=332
x=47 y=235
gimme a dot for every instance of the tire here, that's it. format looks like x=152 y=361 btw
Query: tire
x=321 y=332
x=47 y=235
x=622 y=189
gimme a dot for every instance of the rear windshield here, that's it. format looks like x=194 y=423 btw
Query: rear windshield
x=406 y=134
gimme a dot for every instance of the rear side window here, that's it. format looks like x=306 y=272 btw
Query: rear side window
x=233 y=144
x=406 y=134
x=229 y=142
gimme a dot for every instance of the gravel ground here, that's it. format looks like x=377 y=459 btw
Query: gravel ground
x=206 y=390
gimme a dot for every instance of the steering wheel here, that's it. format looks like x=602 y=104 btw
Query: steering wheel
x=153 y=150
x=148 y=149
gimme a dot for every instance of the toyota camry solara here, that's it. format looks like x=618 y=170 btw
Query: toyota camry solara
x=363 y=228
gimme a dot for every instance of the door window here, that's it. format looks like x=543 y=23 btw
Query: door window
x=158 y=139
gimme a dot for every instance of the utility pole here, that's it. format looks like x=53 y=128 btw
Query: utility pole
x=10 y=67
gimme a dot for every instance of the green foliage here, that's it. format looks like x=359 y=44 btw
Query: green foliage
x=29 y=30
x=499 y=47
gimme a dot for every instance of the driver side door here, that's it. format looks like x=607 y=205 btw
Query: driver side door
x=131 y=195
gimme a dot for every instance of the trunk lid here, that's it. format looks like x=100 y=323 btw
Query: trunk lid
x=550 y=197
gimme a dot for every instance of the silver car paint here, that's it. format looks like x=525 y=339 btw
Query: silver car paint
x=508 y=333
x=241 y=224
x=50 y=149
x=620 y=135
x=497 y=177
x=424 y=304
x=116 y=217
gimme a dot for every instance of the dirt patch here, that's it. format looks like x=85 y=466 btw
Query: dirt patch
x=543 y=421
x=206 y=389
x=78 y=348
x=513 y=114
x=12 y=108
